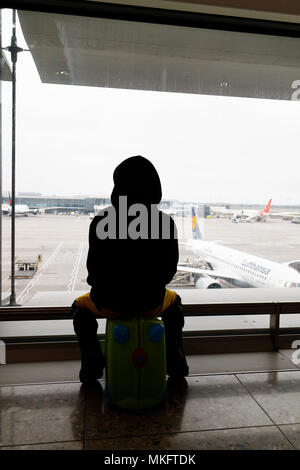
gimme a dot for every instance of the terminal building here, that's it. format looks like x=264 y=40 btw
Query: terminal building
x=56 y=204
x=81 y=205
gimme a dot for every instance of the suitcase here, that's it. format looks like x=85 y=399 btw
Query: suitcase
x=135 y=363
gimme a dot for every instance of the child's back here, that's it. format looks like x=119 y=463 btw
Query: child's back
x=129 y=274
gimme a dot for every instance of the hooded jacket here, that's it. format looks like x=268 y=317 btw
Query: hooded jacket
x=129 y=275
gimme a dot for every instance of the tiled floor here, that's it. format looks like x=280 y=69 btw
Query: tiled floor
x=253 y=403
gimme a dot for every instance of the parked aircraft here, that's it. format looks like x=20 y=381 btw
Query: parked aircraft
x=227 y=265
x=250 y=215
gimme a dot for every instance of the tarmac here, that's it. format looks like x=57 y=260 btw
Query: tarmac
x=62 y=242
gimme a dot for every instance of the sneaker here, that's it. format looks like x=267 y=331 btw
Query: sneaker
x=177 y=367
x=89 y=375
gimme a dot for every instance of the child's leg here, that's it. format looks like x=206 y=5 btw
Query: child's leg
x=92 y=360
x=173 y=319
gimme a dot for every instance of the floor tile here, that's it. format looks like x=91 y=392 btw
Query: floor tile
x=64 y=371
x=234 y=363
x=259 y=438
x=278 y=393
x=33 y=414
x=39 y=372
x=208 y=402
x=292 y=433
x=75 y=445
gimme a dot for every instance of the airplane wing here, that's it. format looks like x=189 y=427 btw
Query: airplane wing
x=209 y=272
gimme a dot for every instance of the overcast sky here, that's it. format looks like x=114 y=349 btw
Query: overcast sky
x=205 y=148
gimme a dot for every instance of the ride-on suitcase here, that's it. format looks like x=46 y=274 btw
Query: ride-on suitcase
x=135 y=363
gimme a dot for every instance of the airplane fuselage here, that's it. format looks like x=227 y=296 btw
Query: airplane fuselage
x=253 y=270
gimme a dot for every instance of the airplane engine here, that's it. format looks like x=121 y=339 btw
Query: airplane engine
x=206 y=282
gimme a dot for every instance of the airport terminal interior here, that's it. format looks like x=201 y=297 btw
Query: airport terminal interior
x=209 y=92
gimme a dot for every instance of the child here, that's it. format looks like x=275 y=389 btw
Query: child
x=130 y=261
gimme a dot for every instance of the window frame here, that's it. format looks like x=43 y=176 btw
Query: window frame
x=185 y=19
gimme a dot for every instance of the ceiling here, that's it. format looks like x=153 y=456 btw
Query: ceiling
x=142 y=56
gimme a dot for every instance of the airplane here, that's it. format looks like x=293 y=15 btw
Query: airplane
x=234 y=268
x=241 y=215
x=22 y=209
x=252 y=215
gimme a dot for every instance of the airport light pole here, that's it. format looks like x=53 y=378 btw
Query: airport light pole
x=1 y=168
x=14 y=50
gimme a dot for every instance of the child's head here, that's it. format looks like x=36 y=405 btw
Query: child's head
x=136 y=178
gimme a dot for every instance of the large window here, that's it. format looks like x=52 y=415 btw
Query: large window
x=217 y=113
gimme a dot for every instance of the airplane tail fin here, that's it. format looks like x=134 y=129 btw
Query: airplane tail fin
x=267 y=208
x=197 y=235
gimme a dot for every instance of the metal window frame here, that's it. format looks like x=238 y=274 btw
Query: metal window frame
x=31 y=349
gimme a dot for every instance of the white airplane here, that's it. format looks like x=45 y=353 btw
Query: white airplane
x=22 y=209
x=252 y=215
x=239 y=269
x=245 y=215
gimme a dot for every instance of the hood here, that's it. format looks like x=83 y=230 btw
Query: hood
x=136 y=178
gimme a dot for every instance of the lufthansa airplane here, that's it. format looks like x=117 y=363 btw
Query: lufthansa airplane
x=227 y=265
